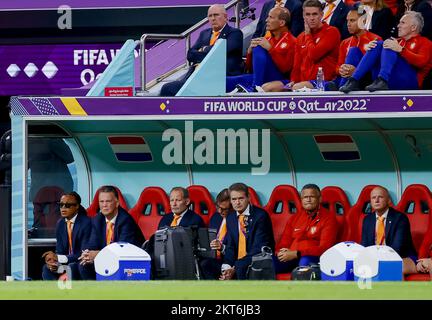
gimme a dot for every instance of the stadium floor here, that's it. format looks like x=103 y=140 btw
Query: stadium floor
x=214 y=290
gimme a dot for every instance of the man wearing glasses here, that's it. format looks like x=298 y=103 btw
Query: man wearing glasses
x=72 y=232
x=211 y=268
x=111 y=224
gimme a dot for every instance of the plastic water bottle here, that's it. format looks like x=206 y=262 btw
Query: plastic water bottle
x=320 y=79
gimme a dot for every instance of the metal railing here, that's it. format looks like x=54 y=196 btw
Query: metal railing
x=184 y=35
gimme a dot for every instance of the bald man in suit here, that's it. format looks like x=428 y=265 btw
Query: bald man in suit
x=387 y=226
x=220 y=29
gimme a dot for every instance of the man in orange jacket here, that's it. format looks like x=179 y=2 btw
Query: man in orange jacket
x=352 y=49
x=268 y=58
x=398 y=64
x=317 y=46
x=307 y=235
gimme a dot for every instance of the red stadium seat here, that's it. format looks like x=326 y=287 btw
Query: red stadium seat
x=93 y=209
x=254 y=199
x=416 y=202
x=201 y=202
x=355 y=215
x=336 y=201
x=151 y=205
x=46 y=211
x=418 y=277
x=425 y=250
x=283 y=276
x=283 y=203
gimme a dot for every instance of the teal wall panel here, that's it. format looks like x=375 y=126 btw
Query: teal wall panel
x=414 y=153
x=131 y=178
x=375 y=166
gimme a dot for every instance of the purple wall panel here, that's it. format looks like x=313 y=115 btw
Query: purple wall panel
x=58 y=66
x=54 y=4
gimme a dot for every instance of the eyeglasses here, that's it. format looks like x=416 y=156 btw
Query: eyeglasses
x=66 y=205
x=223 y=209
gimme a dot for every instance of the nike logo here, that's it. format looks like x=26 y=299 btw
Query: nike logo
x=297 y=229
x=303 y=46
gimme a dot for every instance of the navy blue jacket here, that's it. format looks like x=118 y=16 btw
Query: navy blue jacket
x=215 y=221
x=80 y=235
x=190 y=218
x=259 y=233
x=382 y=23
x=397 y=232
x=234 y=38
x=296 y=11
x=125 y=230
x=339 y=21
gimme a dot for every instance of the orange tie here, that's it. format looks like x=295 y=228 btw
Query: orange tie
x=214 y=37
x=69 y=231
x=242 y=237
x=380 y=232
x=329 y=11
x=278 y=3
x=175 y=220
x=109 y=232
x=221 y=234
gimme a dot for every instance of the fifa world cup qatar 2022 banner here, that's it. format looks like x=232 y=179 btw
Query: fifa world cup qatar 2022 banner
x=46 y=69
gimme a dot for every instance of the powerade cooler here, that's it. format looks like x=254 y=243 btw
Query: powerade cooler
x=122 y=261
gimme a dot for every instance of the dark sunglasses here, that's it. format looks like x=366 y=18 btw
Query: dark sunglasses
x=66 y=205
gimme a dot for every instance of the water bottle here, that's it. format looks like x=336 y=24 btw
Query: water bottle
x=320 y=79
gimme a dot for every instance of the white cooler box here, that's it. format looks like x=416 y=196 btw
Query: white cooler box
x=122 y=261
x=378 y=263
x=336 y=263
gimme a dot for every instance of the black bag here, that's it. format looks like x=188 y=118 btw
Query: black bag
x=173 y=254
x=311 y=272
x=204 y=237
x=262 y=267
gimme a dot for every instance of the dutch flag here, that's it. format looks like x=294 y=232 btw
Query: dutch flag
x=337 y=147
x=130 y=148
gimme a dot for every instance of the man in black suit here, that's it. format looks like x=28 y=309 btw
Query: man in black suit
x=389 y=227
x=180 y=215
x=295 y=9
x=249 y=229
x=111 y=224
x=219 y=30
x=72 y=232
x=335 y=13
x=211 y=267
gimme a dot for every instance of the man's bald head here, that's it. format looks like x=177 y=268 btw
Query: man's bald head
x=282 y=14
x=380 y=199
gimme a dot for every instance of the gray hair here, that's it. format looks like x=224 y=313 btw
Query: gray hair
x=417 y=19
x=221 y=7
